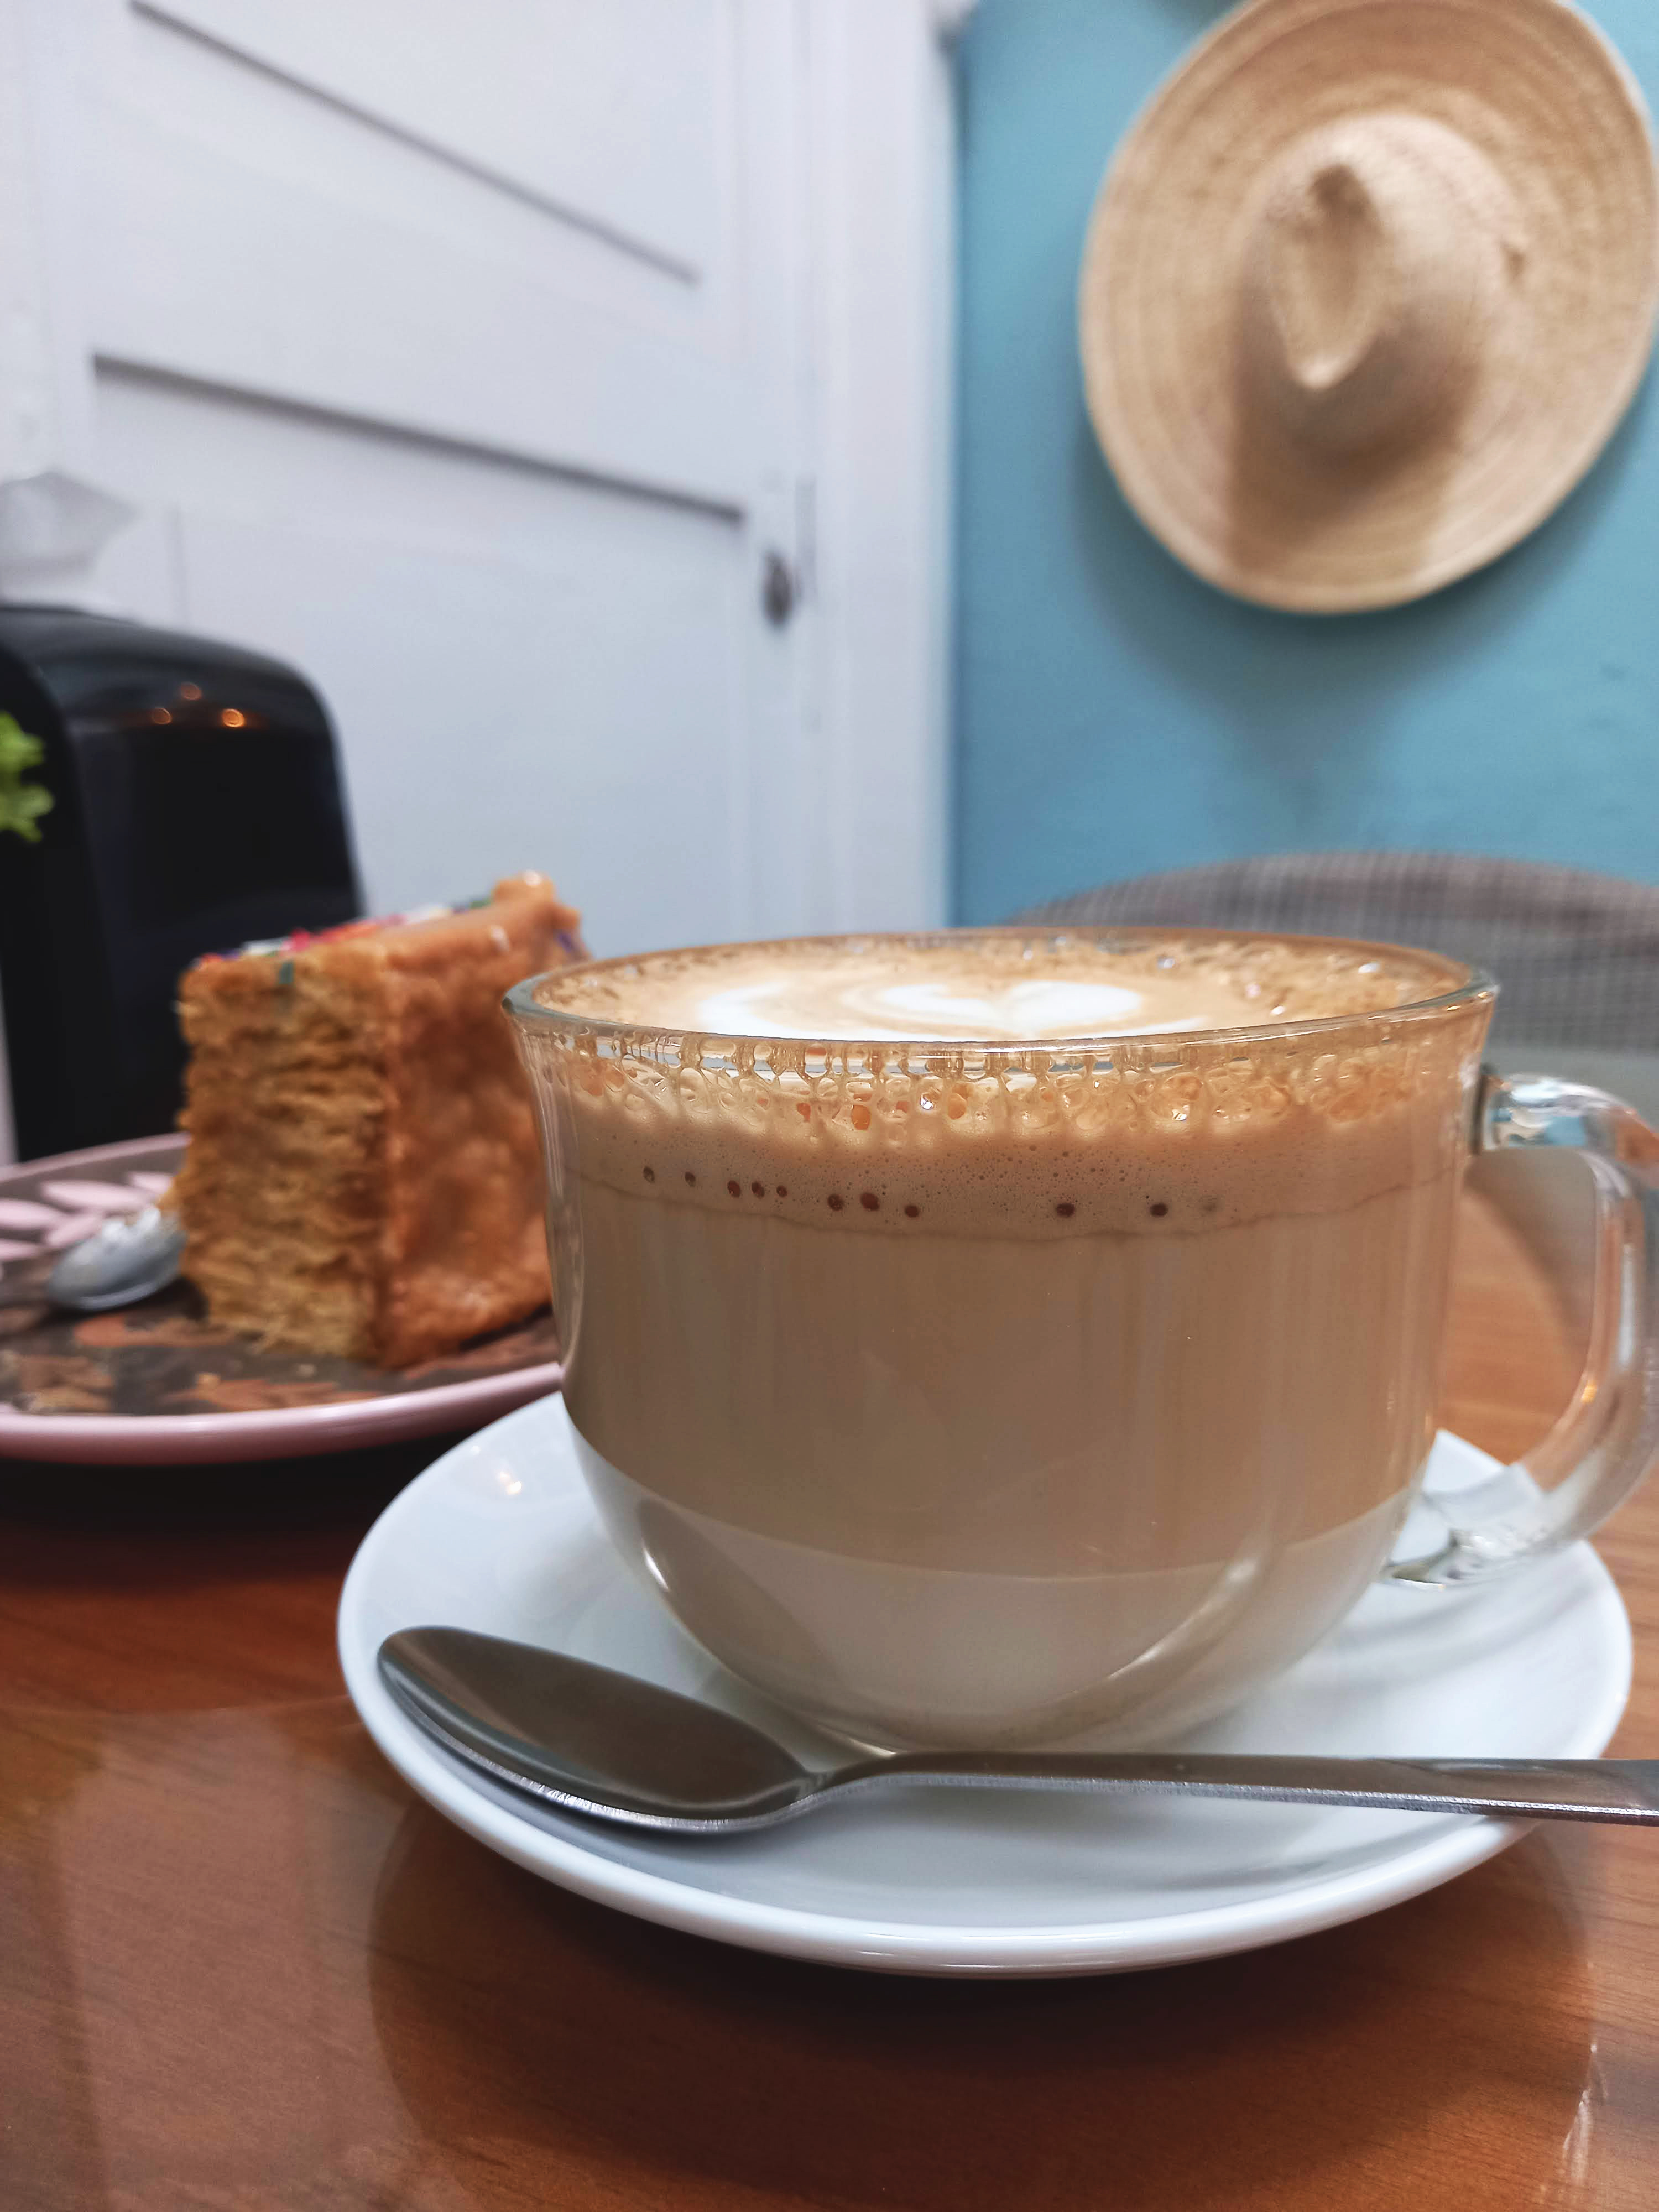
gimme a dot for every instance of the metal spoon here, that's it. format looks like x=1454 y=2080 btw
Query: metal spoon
x=127 y=1259
x=591 y=1741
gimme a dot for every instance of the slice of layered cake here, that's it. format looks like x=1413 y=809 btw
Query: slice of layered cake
x=362 y=1177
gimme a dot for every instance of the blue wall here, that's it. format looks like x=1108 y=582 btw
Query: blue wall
x=1115 y=715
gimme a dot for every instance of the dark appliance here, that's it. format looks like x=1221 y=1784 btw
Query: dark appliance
x=198 y=804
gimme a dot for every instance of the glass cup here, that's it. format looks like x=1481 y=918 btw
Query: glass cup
x=988 y=1394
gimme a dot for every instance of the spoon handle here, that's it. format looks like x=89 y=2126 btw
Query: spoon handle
x=1619 y=1790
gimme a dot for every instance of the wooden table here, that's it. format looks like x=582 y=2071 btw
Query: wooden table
x=242 y=1970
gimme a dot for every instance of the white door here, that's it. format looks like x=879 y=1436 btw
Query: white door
x=485 y=358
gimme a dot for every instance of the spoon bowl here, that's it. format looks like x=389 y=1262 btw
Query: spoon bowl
x=128 y=1259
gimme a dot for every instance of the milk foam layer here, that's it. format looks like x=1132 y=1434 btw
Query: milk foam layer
x=1002 y=986
x=1166 y=1133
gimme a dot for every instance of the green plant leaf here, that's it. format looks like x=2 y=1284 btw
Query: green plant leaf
x=22 y=805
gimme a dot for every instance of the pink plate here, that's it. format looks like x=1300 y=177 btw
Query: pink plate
x=158 y=1382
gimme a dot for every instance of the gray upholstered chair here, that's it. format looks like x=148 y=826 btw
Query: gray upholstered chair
x=1578 y=955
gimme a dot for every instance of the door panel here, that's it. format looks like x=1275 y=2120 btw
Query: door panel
x=473 y=628
x=453 y=355
x=611 y=113
x=250 y=235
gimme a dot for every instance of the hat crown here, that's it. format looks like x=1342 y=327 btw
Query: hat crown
x=1374 y=270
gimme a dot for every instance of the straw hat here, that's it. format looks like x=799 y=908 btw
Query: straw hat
x=1366 y=288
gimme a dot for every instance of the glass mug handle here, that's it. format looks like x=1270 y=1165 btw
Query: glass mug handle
x=1605 y=1441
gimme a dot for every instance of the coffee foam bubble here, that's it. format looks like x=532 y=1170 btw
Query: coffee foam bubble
x=1160 y=1135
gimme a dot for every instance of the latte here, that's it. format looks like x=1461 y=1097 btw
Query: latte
x=988 y=1338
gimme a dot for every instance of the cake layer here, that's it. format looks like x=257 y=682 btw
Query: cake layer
x=363 y=1177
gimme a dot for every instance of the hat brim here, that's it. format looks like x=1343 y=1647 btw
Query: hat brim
x=1538 y=91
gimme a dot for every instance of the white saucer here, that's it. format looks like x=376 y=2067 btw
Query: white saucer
x=500 y=1536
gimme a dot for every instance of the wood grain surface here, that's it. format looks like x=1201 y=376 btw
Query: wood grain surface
x=243 y=1970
